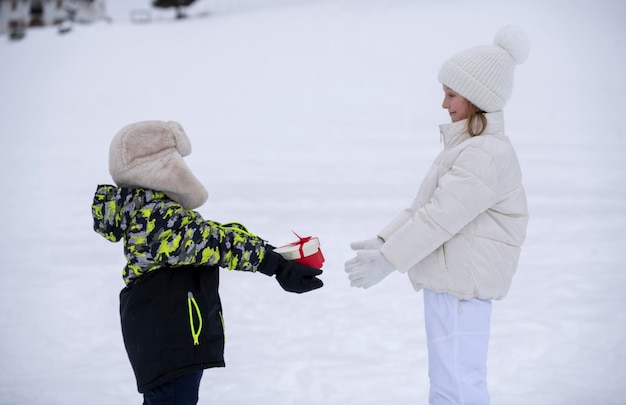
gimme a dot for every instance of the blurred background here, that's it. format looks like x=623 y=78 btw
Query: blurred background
x=319 y=117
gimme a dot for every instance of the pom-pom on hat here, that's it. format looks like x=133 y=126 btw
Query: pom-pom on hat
x=149 y=154
x=484 y=74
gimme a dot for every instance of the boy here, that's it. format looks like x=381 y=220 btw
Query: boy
x=170 y=309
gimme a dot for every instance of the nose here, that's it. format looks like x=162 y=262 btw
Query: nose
x=445 y=103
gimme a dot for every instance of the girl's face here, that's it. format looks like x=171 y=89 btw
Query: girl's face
x=457 y=106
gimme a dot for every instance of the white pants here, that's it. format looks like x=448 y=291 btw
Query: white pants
x=458 y=337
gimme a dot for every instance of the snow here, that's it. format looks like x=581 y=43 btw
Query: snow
x=322 y=119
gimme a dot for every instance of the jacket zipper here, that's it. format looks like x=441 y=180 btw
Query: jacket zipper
x=193 y=305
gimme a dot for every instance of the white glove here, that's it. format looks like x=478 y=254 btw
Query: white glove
x=369 y=267
x=374 y=243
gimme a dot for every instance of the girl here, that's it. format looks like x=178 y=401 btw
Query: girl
x=461 y=238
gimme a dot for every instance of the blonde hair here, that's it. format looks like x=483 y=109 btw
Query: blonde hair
x=476 y=121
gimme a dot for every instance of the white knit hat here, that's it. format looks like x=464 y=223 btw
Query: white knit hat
x=149 y=154
x=484 y=74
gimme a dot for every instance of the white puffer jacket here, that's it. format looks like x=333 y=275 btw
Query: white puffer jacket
x=464 y=232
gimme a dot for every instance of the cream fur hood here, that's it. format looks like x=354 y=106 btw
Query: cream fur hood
x=149 y=155
x=464 y=232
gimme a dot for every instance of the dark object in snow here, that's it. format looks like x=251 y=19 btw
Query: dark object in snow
x=179 y=4
x=17 y=29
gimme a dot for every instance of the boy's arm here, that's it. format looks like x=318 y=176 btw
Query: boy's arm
x=246 y=251
x=184 y=238
x=230 y=246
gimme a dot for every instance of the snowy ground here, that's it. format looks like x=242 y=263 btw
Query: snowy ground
x=320 y=119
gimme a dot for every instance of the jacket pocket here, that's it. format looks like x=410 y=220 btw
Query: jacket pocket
x=195 y=318
x=441 y=259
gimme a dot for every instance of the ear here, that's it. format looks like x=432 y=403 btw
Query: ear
x=183 y=144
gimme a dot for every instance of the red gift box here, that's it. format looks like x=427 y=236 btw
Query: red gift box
x=304 y=251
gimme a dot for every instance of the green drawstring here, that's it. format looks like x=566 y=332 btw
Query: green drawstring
x=237 y=227
x=195 y=334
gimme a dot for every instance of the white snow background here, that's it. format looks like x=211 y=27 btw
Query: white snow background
x=322 y=119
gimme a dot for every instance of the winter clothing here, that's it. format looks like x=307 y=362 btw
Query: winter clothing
x=458 y=338
x=149 y=154
x=182 y=390
x=170 y=309
x=171 y=315
x=158 y=231
x=368 y=268
x=292 y=277
x=373 y=243
x=464 y=231
x=172 y=324
x=484 y=74
x=461 y=238
x=160 y=320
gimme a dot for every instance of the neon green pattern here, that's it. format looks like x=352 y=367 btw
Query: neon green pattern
x=159 y=232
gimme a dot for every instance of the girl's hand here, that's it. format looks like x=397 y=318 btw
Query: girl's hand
x=368 y=268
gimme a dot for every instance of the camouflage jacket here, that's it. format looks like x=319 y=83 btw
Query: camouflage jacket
x=159 y=232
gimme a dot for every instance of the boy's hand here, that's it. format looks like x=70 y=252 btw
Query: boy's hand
x=293 y=277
